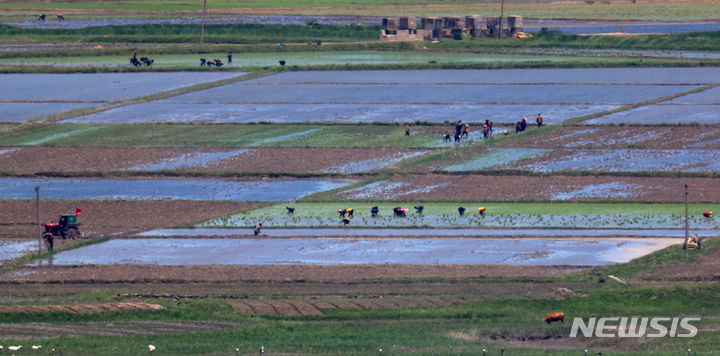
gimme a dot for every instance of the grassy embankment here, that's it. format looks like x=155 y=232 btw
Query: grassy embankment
x=175 y=47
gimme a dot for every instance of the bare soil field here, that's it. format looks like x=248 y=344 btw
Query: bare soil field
x=80 y=308
x=101 y=217
x=230 y=274
x=550 y=187
x=50 y=330
x=37 y=159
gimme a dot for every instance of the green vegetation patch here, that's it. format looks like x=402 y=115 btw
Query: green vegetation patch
x=328 y=209
x=222 y=135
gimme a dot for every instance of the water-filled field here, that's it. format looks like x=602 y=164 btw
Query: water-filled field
x=340 y=251
x=626 y=160
x=153 y=189
x=28 y=96
x=14 y=249
x=99 y=87
x=20 y=112
x=662 y=114
x=335 y=112
x=248 y=92
x=507 y=76
x=496 y=157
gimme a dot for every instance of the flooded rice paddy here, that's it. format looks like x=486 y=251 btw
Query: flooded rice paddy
x=495 y=157
x=388 y=190
x=627 y=160
x=10 y=249
x=28 y=96
x=381 y=93
x=21 y=112
x=343 y=251
x=612 y=190
x=690 y=76
x=662 y=114
x=98 y=87
x=705 y=97
x=417 y=232
x=182 y=189
x=472 y=220
x=325 y=112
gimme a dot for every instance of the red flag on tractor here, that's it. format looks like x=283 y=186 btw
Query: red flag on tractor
x=78 y=211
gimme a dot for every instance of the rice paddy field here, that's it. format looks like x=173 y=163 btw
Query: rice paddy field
x=325 y=207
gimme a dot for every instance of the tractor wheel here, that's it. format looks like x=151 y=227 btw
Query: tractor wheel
x=71 y=232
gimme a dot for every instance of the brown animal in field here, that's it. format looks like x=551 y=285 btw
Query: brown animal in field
x=550 y=317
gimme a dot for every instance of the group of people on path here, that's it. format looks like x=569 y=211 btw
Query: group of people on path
x=462 y=130
x=521 y=125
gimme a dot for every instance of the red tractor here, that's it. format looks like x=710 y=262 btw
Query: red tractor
x=66 y=227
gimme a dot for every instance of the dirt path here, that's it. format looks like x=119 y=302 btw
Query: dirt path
x=51 y=330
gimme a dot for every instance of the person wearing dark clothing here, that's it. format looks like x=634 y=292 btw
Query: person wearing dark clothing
x=486 y=131
x=489 y=125
x=229 y=57
x=419 y=209
x=374 y=211
x=461 y=211
x=523 y=124
x=256 y=230
x=407 y=130
x=50 y=241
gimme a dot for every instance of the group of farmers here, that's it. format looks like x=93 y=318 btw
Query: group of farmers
x=462 y=130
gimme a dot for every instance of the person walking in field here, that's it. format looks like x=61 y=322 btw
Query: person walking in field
x=465 y=130
x=486 y=132
x=407 y=130
x=458 y=130
x=539 y=120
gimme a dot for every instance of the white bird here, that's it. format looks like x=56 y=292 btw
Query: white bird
x=14 y=348
x=36 y=347
x=151 y=348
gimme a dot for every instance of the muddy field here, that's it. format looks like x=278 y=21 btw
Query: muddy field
x=101 y=217
x=515 y=188
x=28 y=160
x=210 y=273
x=262 y=189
